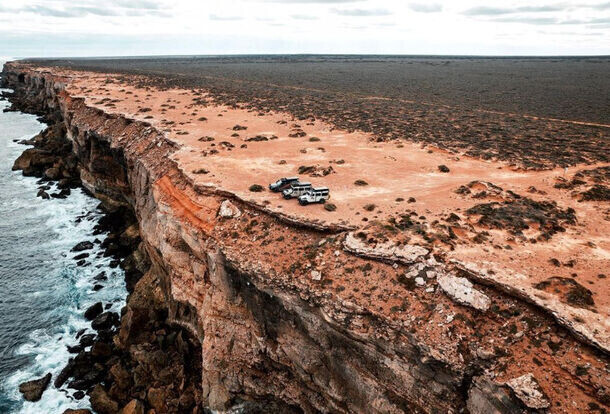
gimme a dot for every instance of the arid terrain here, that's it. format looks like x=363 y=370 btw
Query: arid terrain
x=469 y=219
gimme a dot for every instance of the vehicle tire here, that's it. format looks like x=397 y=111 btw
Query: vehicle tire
x=303 y=202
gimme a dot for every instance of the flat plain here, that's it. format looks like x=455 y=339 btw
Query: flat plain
x=535 y=112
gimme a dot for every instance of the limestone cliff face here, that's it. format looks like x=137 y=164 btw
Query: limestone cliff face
x=266 y=341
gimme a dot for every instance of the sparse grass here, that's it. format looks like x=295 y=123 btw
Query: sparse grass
x=360 y=183
x=330 y=207
x=256 y=188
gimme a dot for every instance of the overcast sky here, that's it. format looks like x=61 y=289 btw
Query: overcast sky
x=147 y=27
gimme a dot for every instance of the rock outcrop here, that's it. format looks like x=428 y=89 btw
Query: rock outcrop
x=215 y=318
x=32 y=390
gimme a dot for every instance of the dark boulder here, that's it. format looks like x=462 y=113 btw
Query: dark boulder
x=32 y=390
x=65 y=373
x=94 y=311
x=101 y=401
x=75 y=349
x=52 y=173
x=43 y=194
x=85 y=245
x=81 y=256
x=105 y=321
x=87 y=340
x=100 y=277
x=101 y=350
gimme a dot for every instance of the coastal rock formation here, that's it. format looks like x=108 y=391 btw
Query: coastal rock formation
x=225 y=311
x=32 y=390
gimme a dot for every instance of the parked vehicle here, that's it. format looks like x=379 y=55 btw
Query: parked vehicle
x=315 y=195
x=283 y=183
x=296 y=190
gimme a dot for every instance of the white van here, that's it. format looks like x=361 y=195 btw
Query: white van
x=315 y=195
x=296 y=190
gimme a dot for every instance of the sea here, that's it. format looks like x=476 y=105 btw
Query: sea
x=43 y=293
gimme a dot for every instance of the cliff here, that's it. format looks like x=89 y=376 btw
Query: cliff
x=287 y=314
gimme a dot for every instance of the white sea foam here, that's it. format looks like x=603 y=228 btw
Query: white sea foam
x=68 y=287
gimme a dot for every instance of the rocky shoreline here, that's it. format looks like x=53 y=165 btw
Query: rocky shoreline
x=210 y=322
x=159 y=354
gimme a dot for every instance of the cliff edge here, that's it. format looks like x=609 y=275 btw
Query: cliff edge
x=379 y=303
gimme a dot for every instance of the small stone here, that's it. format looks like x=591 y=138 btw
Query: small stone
x=228 y=210
x=133 y=407
x=419 y=281
x=463 y=292
x=315 y=275
x=485 y=353
x=528 y=390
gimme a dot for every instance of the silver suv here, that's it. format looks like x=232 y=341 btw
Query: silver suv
x=282 y=184
x=296 y=190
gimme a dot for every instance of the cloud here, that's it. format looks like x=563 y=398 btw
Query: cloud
x=599 y=20
x=303 y=17
x=601 y=6
x=527 y=20
x=495 y=11
x=426 y=7
x=68 y=12
x=311 y=1
x=136 y=4
x=224 y=18
x=362 y=12
x=110 y=8
x=551 y=20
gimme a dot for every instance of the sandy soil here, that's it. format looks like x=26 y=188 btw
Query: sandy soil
x=401 y=178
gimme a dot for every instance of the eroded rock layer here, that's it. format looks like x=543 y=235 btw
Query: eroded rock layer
x=254 y=310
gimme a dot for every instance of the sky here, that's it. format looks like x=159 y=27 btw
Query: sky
x=54 y=28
